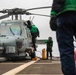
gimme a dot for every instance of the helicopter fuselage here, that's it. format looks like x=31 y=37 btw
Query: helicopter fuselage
x=15 y=39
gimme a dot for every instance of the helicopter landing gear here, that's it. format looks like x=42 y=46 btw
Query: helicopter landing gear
x=31 y=52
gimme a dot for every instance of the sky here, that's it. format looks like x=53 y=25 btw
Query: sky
x=40 y=21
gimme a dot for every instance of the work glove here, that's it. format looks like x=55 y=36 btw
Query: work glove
x=53 y=22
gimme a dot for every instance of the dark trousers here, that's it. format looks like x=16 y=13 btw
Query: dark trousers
x=66 y=30
x=34 y=41
x=49 y=51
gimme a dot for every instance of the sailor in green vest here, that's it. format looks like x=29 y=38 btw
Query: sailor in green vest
x=34 y=32
x=63 y=17
x=49 y=44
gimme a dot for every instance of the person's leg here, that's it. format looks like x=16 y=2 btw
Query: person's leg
x=75 y=45
x=47 y=53
x=33 y=42
x=66 y=47
x=51 y=55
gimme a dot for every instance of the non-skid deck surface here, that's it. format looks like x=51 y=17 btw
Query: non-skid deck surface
x=46 y=67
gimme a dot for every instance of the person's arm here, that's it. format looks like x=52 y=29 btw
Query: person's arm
x=57 y=6
x=38 y=32
x=45 y=41
x=25 y=23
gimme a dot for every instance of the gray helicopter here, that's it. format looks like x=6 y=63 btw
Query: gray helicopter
x=15 y=36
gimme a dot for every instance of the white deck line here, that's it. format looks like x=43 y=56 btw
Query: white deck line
x=18 y=69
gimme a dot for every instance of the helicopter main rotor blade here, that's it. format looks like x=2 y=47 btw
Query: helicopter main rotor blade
x=18 y=11
x=27 y=13
x=21 y=11
x=4 y=16
x=38 y=8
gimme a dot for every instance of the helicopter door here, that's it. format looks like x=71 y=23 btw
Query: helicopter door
x=29 y=36
x=24 y=35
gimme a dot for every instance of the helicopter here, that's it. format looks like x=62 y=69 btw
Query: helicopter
x=15 y=36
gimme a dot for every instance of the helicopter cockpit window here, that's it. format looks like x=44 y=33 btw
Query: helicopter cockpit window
x=15 y=29
x=4 y=30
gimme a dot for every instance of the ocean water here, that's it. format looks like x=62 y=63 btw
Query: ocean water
x=55 y=51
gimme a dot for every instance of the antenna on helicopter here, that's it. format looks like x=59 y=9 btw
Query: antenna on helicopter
x=32 y=20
